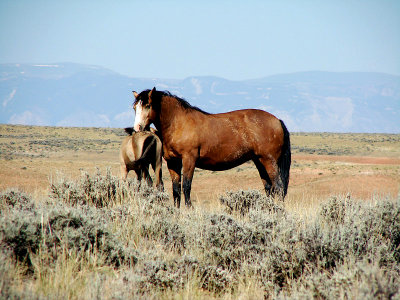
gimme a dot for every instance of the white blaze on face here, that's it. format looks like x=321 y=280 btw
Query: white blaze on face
x=138 y=116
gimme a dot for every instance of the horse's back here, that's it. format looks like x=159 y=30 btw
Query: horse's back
x=251 y=118
x=265 y=131
x=247 y=126
x=229 y=139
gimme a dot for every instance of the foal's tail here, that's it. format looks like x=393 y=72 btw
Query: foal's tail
x=285 y=159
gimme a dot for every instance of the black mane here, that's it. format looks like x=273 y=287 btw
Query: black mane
x=144 y=97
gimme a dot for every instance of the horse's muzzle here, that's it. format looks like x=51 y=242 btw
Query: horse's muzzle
x=138 y=127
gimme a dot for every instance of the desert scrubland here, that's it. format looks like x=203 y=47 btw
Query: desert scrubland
x=70 y=228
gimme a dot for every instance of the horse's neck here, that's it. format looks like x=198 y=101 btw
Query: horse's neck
x=169 y=109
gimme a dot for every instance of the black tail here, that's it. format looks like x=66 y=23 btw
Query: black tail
x=148 y=144
x=285 y=159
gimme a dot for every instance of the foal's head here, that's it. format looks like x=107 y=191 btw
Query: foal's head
x=144 y=109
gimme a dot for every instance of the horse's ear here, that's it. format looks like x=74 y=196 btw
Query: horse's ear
x=135 y=94
x=151 y=93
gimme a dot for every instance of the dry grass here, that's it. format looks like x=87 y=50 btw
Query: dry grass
x=363 y=165
x=172 y=245
x=98 y=237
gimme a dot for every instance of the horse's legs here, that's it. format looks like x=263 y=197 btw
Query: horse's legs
x=175 y=168
x=124 y=171
x=188 y=171
x=269 y=173
x=264 y=176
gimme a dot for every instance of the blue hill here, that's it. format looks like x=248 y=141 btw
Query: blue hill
x=66 y=94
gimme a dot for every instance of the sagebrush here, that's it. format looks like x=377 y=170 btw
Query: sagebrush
x=125 y=240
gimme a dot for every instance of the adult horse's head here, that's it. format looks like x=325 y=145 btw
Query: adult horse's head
x=144 y=109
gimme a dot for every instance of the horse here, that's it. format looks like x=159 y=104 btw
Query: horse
x=193 y=138
x=138 y=151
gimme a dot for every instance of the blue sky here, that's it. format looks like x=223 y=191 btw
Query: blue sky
x=231 y=39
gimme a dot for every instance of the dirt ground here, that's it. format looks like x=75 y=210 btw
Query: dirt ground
x=31 y=156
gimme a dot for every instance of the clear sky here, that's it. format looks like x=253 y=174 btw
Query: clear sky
x=231 y=39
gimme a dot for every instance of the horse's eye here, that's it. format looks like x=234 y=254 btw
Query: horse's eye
x=147 y=106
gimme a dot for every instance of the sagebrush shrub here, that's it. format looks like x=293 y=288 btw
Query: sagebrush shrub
x=102 y=190
x=351 y=280
x=97 y=190
x=346 y=228
x=350 y=249
x=242 y=201
x=161 y=275
x=15 y=198
x=51 y=227
x=334 y=210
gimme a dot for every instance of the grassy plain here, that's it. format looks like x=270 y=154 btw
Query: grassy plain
x=71 y=232
x=323 y=164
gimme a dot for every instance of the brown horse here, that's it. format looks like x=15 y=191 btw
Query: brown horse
x=193 y=138
x=138 y=151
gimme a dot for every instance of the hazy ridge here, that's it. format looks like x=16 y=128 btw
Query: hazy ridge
x=66 y=94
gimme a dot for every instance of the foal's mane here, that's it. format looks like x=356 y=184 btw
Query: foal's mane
x=144 y=97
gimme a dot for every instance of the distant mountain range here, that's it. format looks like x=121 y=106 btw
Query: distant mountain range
x=67 y=94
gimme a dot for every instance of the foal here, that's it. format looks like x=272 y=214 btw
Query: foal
x=138 y=151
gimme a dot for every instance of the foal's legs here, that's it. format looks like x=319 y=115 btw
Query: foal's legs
x=139 y=174
x=269 y=173
x=157 y=167
x=143 y=172
x=146 y=175
x=175 y=168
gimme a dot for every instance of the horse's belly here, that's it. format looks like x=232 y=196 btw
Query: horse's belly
x=218 y=163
